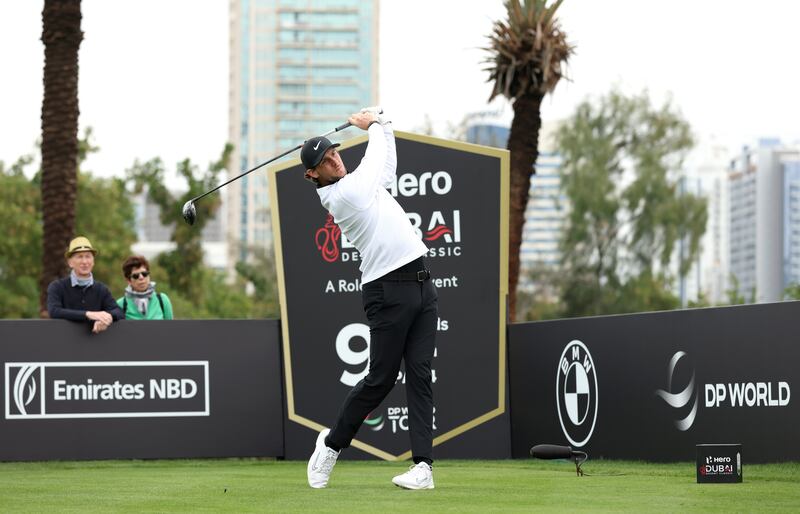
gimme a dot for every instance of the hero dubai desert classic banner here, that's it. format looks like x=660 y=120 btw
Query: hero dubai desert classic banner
x=455 y=196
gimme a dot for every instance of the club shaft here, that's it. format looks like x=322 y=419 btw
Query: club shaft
x=284 y=154
x=251 y=170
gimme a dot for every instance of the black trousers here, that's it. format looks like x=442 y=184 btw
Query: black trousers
x=402 y=319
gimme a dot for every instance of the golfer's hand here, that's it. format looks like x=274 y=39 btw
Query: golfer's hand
x=362 y=119
x=101 y=316
x=98 y=327
x=378 y=112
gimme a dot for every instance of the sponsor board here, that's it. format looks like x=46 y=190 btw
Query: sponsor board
x=576 y=393
x=455 y=197
x=63 y=390
x=719 y=463
x=667 y=380
x=141 y=390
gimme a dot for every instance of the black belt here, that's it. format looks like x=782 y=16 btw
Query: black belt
x=414 y=271
x=398 y=276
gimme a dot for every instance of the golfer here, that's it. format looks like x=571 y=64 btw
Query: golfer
x=399 y=299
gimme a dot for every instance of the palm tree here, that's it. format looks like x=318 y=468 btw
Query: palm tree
x=61 y=35
x=528 y=50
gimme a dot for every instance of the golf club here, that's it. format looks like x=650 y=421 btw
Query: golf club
x=190 y=212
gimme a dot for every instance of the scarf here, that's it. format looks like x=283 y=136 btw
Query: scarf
x=83 y=282
x=141 y=299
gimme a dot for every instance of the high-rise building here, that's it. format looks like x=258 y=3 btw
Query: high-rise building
x=707 y=176
x=765 y=220
x=791 y=220
x=546 y=209
x=297 y=69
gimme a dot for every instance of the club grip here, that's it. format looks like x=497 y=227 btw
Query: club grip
x=342 y=126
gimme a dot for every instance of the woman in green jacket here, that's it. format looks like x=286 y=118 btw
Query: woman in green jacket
x=141 y=300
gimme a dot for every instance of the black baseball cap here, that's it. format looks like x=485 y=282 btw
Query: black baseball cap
x=314 y=150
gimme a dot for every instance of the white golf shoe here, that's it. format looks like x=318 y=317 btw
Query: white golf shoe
x=321 y=462
x=419 y=476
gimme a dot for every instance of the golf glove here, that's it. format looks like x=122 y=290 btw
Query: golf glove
x=378 y=112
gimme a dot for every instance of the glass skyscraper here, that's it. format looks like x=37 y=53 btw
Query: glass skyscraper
x=297 y=69
x=765 y=220
x=546 y=209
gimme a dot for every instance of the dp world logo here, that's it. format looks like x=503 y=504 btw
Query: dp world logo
x=681 y=399
x=576 y=393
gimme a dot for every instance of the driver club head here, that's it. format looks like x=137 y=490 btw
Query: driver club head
x=189 y=212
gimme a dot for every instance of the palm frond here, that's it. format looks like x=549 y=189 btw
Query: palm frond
x=527 y=49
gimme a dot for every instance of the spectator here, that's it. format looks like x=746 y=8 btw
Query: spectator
x=79 y=297
x=137 y=303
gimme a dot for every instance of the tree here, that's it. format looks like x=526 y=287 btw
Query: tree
x=106 y=216
x=737 y=297
x=527 y=50
x=792 y=292
x=21 y=244
x=260 y=272
x=195 y=290
x=62 y=36
x=538 y=299
x=103 y=213
x=626 y=210
x=184 y=265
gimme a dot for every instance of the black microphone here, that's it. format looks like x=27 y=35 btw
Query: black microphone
x=552 y=451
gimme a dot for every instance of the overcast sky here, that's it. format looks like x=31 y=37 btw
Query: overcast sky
x=154 y=73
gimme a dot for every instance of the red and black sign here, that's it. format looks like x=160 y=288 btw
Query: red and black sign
x=455 y=197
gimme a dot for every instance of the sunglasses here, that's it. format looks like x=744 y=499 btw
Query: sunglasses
x=135 y=276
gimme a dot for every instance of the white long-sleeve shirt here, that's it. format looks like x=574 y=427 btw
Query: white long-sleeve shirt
x=368 y=215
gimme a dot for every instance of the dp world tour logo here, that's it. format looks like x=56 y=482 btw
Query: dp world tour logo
x=327 y=239
x=680 y=400
x=374 y=421
x=576 y=393
x=26 y=390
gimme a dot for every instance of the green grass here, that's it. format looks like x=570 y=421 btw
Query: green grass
x=356 y=486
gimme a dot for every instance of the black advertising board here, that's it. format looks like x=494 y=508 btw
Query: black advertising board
x=455 y=195
x=653 y=386
x=719 y=464
x=142 y=389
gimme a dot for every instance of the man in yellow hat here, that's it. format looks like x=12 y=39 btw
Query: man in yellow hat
x=79 y=297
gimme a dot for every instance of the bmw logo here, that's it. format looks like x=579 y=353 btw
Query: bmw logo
x=576 y=393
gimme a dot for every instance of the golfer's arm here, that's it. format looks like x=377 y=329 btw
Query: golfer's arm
x=365 y=180
x=390 y=168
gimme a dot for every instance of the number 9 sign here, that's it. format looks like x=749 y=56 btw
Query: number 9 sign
x=348 y=356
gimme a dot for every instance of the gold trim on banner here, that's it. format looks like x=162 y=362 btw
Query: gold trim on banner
x=503 y=156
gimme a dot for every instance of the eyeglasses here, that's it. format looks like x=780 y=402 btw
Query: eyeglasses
x=135 y=276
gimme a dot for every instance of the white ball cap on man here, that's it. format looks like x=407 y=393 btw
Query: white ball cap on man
x=314 y=150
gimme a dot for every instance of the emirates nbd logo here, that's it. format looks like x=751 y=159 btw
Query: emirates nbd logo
x=101 y=389
x=26 y=397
